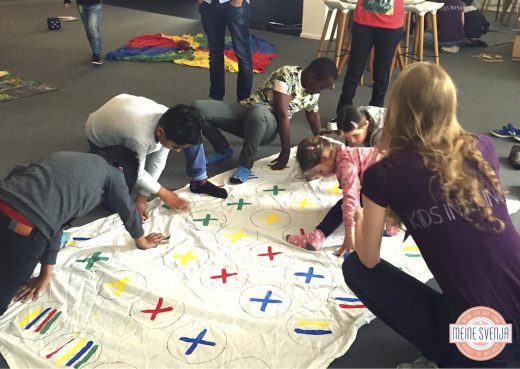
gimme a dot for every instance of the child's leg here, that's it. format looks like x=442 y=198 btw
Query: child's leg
x=19 y=255
x=332 y=219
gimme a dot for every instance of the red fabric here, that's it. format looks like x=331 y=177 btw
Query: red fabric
x=13 y=214
x=154 y=40
x=260 y=60
x=372 y=19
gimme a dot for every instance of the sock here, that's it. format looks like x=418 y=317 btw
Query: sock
x=241 y=175
x=311 y=241
x=205 y=186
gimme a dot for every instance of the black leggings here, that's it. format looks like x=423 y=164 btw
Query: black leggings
x=418 y=312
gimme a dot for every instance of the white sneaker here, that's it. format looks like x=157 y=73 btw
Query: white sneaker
x=420 y=362
x=450 y=49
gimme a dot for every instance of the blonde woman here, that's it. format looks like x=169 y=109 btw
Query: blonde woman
x=443 y=184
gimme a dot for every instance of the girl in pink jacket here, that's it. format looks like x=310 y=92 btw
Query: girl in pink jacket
x=322 y=157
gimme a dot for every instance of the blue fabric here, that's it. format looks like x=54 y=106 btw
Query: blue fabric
x=130 y=51
x=242 y=174
x=90 y=16
x=195 y=162
x=217 y=157
x=215 y=18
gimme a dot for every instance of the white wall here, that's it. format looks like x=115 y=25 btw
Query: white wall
x=314 y=12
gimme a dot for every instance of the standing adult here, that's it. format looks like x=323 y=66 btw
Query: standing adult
x=90 y=12
x=216 y=15
x=377 y=24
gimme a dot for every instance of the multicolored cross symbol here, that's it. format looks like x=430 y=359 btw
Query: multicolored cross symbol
x=270 y=253
x=223 y=274
x=158 y=309
x=275 y=190
x=265 y=301
x=205 y=221
x=240 y=204
x=92 y=259
x=196 y=341
x=309 y=275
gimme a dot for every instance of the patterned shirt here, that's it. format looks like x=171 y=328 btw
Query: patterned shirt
x=286 y=80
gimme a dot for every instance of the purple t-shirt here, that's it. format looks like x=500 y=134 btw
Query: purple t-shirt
x=449 y=21
x=472 y=266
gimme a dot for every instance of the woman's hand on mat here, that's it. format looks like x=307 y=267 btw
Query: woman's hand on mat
x=140 y=205
x=280 y=162
x=36 y=286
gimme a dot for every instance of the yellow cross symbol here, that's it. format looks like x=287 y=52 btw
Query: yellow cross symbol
x=234 y=237
x=118 y=286
x=185 y=257
x=335 y=190
x=271 y=218
x=304 y=203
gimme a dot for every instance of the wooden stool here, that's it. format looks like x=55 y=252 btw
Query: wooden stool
x=339 y=13
x=421 y=9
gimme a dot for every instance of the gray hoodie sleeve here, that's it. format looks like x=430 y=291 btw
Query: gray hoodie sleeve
x=118 y=196
x=51 y=254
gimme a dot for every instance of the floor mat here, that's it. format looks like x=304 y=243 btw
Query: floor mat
x=13 y=87
x=226 y=291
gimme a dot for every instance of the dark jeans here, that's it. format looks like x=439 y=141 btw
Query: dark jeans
x=418 y=312
x=19 y=255
x=332 y=219
x=384 y=41
x=215 y=18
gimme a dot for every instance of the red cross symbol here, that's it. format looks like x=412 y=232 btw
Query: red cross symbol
x=270 y=253
x=224 y=274
x=158 y=309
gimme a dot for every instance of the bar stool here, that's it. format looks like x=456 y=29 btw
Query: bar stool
x=421 y=9
x=339 y=13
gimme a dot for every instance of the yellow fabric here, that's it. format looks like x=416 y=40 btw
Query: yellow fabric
x=189 y=38
x=201 y=59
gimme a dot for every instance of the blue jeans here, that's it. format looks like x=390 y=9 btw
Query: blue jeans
x=195 y=162
x=215 y=18
x=90 y=16
x=384 y=41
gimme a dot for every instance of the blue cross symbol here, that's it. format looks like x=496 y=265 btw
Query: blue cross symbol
x=309 y=275
x=266 y=300
x=196 y=341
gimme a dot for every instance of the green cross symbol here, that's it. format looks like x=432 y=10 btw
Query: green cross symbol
x=91 y=260
x=239 y=204
x=205 y=221
x=275 y=190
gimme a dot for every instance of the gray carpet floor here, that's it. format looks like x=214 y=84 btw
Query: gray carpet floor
x=32 y=127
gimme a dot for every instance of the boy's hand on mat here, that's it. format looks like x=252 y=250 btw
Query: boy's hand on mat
x=280 y=162
x=33 y=289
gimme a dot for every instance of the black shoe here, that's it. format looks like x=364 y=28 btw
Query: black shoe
x=514 y=156
x=96 y=59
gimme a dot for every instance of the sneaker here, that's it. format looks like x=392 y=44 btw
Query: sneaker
x=450 y=49
x=506 y=131
x=332 y=123
x=96 y=59
x=514 y=156
x=217 y=157
x=421 y=362
x=241 y=175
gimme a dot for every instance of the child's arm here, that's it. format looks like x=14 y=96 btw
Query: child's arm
x=281 y=113
x=36 y=286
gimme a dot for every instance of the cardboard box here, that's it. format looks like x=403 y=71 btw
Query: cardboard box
x=516 y=48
